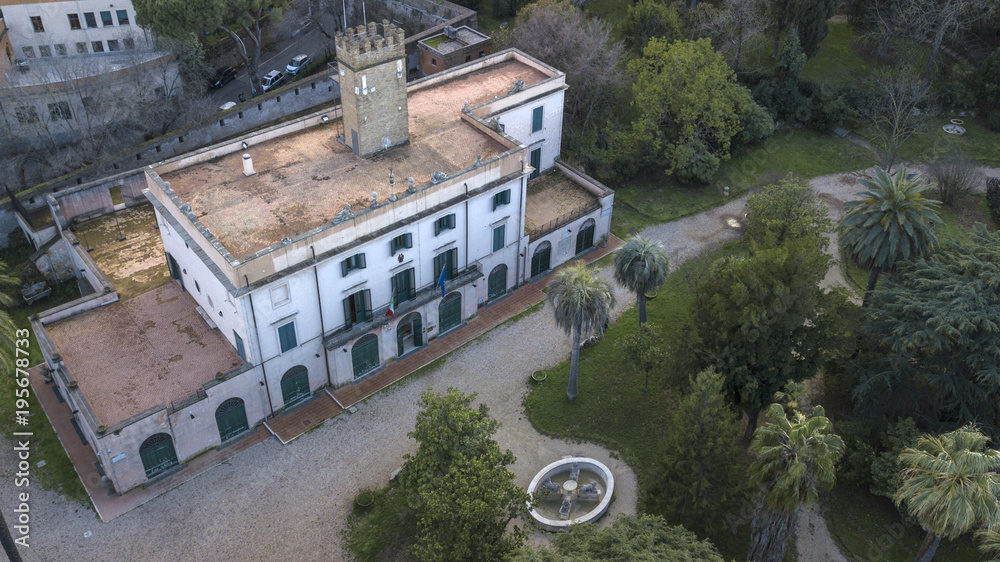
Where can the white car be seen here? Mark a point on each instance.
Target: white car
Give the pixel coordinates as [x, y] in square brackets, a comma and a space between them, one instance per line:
[297, 63]
[228, 105]
[271, 80]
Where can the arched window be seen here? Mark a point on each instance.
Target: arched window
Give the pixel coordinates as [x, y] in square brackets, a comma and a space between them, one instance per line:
[498, 282]
[231, 417]
[365, 355]
[157, 454]
[541, 258]
[585, 237]
[295, 385]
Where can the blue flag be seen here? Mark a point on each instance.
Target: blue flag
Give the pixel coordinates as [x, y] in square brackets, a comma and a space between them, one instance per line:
[441, 282]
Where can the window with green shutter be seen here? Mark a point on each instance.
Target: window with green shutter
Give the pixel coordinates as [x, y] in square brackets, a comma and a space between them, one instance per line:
[286, 337]
[400, 242]
[446, 222]
[403, 286]
[240, 350]
[536, 163]
[536, 119]
[357, 261]
[358, 308]
[499, 237]
[501, 199]
[448, 261]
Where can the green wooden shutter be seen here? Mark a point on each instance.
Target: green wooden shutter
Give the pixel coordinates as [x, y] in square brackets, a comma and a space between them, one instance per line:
[231, 418]
[366, 305]
[408, 240]
[286, 337]
[240, 350]
[536, 119]
[499, 235]
[418, 332]
[450, 312]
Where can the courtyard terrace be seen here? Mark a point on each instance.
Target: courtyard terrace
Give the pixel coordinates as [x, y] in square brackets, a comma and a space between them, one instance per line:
[555, 199]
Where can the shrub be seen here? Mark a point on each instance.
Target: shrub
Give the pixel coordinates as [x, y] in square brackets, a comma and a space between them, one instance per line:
[694, 162]
[827, 109]
[757, 125]
[956, 94]
[993, 198]
[956, 176]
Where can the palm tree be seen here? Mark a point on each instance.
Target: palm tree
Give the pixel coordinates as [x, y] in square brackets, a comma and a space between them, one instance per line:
[581, 304]
[892, 221]
[641, 266]
[794, 460]
[950, 485]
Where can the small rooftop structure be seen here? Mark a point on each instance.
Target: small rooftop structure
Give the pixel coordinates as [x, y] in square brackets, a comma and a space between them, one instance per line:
[452, 47]
[133, 355]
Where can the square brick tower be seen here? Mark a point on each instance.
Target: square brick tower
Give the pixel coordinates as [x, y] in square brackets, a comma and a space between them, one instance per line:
[373, 87]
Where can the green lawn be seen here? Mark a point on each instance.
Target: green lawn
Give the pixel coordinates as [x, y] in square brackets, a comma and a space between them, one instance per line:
[612, 11]
[837, 63]
[57, 473]
[868, 528]
[978, 142]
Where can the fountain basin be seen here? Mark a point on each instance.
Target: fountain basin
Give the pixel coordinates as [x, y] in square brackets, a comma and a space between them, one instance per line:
[585, 511]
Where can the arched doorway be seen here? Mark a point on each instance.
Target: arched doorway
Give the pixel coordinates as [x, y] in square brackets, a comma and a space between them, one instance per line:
[295, 385]
[585, 237]
[409, 333]
[364, 355]
[157, 454]
[541, 258]
[231, 417]
[498, 282]
[450, 312]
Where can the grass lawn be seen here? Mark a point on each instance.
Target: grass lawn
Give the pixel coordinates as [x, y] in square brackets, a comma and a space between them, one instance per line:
[837, 63]
[612, 11]
[57, 473]
[868, 528]
[978, 142]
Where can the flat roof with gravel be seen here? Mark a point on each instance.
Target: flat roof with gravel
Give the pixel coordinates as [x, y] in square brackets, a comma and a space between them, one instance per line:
[133, 355]
[552, 197]
[303, 180]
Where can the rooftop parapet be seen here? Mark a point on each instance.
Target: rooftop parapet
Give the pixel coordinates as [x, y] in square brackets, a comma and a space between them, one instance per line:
[364, 46]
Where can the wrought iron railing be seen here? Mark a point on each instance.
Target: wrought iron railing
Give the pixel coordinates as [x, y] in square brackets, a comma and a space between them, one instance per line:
[538, 231]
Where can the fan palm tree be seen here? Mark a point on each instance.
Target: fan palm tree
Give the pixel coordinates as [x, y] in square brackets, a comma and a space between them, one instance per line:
[581, 304]
[795, 459]
[892, 221]
[950, 484]
[641, 266]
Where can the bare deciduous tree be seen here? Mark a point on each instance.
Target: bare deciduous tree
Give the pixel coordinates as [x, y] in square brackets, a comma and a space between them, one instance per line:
[896, 115]
[956, 176]
[560, 34]
[937, 20]
[736, 25]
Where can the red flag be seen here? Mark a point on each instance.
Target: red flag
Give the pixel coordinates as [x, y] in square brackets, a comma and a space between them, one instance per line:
[391, 313]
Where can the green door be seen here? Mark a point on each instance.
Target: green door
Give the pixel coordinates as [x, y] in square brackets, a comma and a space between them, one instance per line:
[540, 261]
[450, 312]
[498, 282]
[585, 238]
[365, 355]
[157, 454]
[418, 332]
[295, 385]
[536, 162]
[175, 269]
[231, 417]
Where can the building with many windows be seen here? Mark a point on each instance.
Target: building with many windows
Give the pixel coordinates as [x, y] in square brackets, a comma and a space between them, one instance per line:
[306, 256]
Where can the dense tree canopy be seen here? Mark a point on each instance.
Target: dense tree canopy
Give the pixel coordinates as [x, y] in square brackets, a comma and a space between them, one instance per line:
[937, 321]
[689, 108]
[786, 211]
[644, 538]
[458, 483]
[763, 321]
[647, 19]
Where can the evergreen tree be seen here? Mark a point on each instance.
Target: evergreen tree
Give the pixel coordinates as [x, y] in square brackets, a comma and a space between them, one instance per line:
[810, 21]
[647, 19]
[703, 471]
[786, 211]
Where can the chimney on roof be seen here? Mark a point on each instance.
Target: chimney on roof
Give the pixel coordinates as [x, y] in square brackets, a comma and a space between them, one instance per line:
[248, 166]
[450, 32]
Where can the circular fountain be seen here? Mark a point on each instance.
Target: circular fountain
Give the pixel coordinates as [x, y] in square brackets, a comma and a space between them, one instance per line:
[571, 491]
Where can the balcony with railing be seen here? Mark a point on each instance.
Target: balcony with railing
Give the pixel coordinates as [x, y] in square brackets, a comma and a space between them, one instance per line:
[377, 318]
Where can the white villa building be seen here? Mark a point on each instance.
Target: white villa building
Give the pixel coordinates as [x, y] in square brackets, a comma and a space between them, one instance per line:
[293, 244]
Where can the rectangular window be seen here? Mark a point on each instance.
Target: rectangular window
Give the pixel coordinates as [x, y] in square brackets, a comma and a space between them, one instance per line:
[400, 242]
[446, 222]
[122, 17]
[36, 24]
[61, 50]
[501, 199]
[357, 261]
[97, 46]
[113, 45]
[499, 237]
[45, 50]
[106, 19]
[240, 350]
[29, 52]
[448, 262]
[81, 48]
[129, 43]
[536, 119]
[91, 20]
[286, 337]
[358, 308]
[60, 110]
[403, 286]
[74, 21]
[26, 114]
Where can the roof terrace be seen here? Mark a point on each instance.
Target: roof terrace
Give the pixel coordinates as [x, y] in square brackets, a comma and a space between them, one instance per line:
[306, 178]
[553, 199]
[132, 355]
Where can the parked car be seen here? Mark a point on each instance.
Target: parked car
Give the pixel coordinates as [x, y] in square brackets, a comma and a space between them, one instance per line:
[271, 80]
[297, 63]
[223, 76]
[228, 105]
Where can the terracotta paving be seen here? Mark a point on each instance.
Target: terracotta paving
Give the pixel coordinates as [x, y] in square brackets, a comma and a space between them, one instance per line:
[318, 409]
[84, 460]
[305, 418]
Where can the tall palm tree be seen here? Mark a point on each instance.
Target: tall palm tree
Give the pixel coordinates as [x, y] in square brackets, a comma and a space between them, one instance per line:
[892, 221]
[950, 484]
[641, 266]
[581, 304]
[794, 460]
